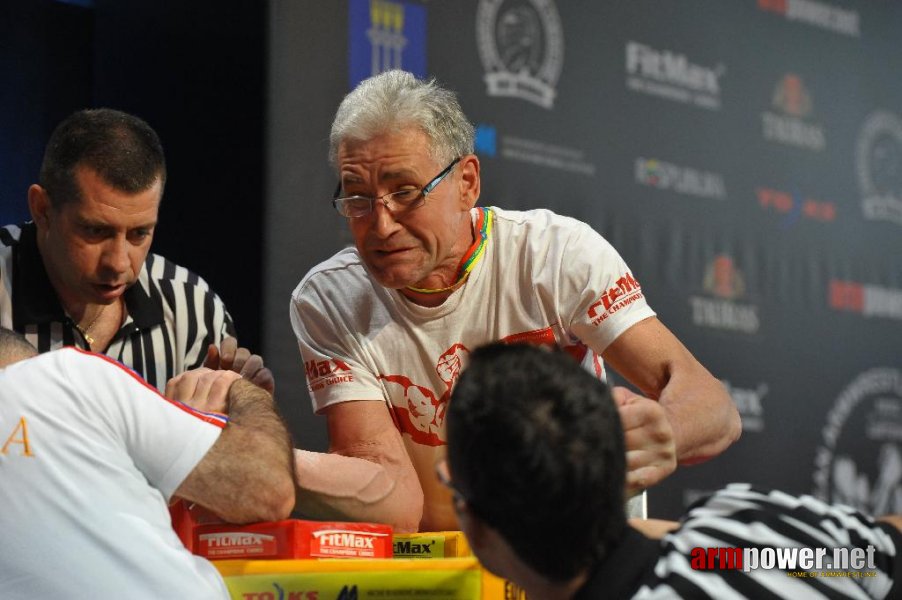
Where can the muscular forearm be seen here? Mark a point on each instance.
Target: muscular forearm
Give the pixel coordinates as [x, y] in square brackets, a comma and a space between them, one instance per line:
[248, 473]
[698, 408]
[703, 417]
[332, 486]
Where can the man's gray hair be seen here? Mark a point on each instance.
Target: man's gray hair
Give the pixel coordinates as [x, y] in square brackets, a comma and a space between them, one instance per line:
[390, 101]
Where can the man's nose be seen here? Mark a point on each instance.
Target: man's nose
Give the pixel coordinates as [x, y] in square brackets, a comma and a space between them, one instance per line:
[384, 223]
[115, 255]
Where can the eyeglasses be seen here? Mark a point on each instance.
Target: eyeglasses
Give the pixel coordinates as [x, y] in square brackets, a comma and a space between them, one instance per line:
[398, 203]
[444, 477]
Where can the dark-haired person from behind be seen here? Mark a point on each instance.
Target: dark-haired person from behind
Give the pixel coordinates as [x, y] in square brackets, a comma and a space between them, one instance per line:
[536, 467]
[81, 272]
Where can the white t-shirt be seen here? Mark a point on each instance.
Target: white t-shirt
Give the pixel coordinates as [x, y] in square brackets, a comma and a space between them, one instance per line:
[543, 278]
[89, 457]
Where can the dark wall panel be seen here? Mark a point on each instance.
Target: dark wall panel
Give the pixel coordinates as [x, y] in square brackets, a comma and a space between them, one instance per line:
[196, 71]
[46, 69]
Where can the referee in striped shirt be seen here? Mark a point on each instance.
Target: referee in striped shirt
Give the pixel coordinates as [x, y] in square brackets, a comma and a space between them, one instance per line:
[80, 272]
[546, 509]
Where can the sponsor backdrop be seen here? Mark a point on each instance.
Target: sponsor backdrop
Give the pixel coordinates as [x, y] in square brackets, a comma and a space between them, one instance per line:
[744, 157]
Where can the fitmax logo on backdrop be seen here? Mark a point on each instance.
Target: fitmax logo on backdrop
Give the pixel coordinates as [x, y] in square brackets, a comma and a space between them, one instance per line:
[385, 35]
[672, 76]
[750, 404]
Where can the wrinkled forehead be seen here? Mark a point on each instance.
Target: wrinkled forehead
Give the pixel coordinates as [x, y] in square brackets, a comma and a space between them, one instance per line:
[407, 137]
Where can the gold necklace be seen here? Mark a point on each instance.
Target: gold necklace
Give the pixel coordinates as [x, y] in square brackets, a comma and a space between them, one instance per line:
[483, 229]
[86, 331]
[453, 286]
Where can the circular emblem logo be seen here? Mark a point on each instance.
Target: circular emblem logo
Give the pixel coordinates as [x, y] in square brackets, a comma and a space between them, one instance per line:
[859, 462]
[521, 46]
[879, 165]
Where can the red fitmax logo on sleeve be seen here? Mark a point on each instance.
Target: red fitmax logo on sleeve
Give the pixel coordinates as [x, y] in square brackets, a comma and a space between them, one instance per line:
[625, 291]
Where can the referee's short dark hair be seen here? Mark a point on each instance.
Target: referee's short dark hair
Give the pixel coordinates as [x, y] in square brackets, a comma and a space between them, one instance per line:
[535, 447]
[121, 148]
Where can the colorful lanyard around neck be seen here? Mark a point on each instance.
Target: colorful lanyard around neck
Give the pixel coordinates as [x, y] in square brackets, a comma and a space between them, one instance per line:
[483, 227]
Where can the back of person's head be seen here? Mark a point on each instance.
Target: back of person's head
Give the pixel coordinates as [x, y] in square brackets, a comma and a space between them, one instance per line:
[394, 100]
[122, 149]
[14, 347]
[536, 450]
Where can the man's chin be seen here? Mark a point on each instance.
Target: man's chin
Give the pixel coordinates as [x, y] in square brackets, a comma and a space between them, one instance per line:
[394, 284]
[393, 279]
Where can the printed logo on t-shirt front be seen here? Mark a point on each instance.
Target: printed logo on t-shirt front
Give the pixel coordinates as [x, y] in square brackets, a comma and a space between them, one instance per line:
[538, 337]
[625, 291]
[18, 438]
[419, 411]
[322, 373]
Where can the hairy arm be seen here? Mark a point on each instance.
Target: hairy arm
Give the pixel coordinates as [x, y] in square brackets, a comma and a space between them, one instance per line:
[695, 405]
[367, 475]
[248, 473]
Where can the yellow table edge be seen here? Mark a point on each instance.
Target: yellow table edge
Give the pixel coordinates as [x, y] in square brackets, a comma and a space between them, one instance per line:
[231, 568]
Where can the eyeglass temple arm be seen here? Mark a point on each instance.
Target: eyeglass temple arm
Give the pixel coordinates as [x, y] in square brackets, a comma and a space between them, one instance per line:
[426, 189]
[439, 177]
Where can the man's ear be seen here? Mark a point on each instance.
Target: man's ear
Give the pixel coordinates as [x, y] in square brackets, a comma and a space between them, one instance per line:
[493, 551]
[39, 206]
[469, 180]
[477, 532]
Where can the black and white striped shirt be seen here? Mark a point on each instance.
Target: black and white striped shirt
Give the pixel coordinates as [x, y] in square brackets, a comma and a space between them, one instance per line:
[173, 315]
[742, 517]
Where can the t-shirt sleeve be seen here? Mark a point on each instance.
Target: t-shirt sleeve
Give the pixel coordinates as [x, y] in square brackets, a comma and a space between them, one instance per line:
[165, 439]
[599, 293]
[334, 366]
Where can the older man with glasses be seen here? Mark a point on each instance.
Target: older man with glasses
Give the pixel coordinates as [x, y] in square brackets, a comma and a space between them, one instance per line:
[385, 327]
